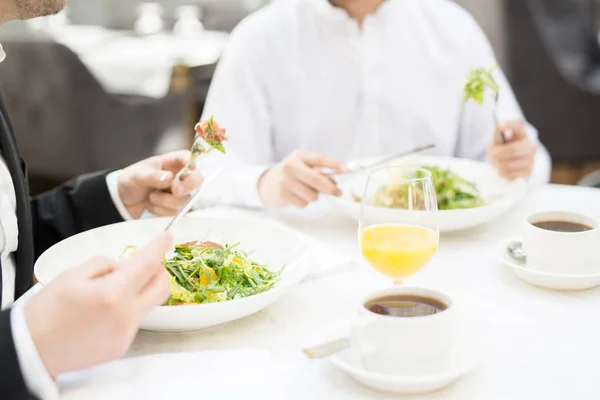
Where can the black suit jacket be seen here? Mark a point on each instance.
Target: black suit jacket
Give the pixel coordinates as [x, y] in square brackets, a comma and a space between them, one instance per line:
[80, 204]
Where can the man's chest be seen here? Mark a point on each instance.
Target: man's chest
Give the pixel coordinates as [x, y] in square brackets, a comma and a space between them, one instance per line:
[357, 106]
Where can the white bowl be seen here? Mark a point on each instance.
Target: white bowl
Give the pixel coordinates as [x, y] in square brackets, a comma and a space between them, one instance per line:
[500, 194]
[265, 242]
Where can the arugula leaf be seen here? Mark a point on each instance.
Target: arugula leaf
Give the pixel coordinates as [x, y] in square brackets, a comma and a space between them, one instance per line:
[478, 80]
[452, 192]
[193, 270]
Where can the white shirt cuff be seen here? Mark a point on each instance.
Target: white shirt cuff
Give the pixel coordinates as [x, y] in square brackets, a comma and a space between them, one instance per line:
[247, 186]
[112, 181]
[237, 186]
[34, 373]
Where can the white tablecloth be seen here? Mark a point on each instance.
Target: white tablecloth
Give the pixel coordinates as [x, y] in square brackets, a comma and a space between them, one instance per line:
[533, 343]
[124, 63]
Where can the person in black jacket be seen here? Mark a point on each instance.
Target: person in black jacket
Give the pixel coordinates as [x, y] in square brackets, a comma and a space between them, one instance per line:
[91, 313]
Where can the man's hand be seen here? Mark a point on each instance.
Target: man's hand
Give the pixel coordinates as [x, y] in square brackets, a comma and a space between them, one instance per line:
[142, 185]
[297, 180]
[515, 158]
[91, 313]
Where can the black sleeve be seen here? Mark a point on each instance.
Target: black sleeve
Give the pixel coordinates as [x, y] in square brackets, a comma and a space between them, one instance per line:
[12, 384]
[78, 205]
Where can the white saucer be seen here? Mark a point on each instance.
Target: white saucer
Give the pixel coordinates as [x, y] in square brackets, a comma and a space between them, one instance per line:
[460, 363]
[548, 280]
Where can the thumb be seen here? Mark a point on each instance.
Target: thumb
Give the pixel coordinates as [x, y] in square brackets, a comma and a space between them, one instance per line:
[94, 268]
[154, 178]
[514, 130]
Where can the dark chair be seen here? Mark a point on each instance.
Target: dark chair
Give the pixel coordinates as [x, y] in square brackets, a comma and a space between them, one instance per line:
[67, 124]
[591, 180]
[550, 80]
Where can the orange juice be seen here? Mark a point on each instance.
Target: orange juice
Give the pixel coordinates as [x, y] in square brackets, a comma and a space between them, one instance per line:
[398, 251]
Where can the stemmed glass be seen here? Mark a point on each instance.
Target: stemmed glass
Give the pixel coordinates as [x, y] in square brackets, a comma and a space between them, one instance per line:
[398, 230]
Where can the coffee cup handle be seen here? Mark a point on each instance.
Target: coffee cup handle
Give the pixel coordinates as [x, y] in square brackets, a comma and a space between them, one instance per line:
[358, 335]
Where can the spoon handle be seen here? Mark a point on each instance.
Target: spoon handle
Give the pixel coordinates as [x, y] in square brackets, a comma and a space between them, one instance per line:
[327, 349]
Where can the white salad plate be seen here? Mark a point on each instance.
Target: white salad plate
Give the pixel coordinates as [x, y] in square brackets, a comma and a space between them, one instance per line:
[266, 242]
[461, 361]
[547, 280]
[500, 194]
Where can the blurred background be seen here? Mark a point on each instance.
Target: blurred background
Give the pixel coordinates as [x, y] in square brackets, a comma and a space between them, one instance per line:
[107, 83]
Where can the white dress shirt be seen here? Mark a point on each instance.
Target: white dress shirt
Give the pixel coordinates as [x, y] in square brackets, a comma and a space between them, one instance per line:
[301, 74]
[34, 373]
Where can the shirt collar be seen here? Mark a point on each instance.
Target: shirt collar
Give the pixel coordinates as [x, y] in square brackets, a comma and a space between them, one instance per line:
[336, 21]
[2, 53]
[326, 9]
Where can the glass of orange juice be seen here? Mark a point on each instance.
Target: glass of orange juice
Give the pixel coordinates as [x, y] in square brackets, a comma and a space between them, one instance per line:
[398, 231]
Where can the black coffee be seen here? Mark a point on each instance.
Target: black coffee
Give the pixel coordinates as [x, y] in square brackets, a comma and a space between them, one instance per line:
[406, 306]
[562, 226]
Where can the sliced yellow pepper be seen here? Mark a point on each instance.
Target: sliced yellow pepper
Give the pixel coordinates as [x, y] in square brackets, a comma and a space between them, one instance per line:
[208, 275]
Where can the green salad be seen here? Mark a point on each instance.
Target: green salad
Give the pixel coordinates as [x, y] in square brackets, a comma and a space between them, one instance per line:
[206, 272]
[452, 192]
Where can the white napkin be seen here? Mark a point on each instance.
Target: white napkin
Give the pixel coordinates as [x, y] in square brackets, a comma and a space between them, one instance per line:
[223, 375]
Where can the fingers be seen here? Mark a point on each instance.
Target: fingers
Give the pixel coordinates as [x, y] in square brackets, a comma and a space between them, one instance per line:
[160, 199]
[95, 268]
[154, 178]
[162, 212]
[304, 193]
[292, 199]
[136, 273]
[518, 168]
[155, 293]
[513, 130]
[511, 175]
[512, 151]
[175, 161]
[514, 159]
[187, 185]
[321, 161]
[298, 180]
[313, 178]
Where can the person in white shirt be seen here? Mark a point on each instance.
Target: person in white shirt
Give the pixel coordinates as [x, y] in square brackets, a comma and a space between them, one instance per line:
[90, 314]
[312, 84]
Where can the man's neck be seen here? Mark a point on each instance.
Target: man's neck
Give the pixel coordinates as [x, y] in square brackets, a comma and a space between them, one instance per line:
[358, 9]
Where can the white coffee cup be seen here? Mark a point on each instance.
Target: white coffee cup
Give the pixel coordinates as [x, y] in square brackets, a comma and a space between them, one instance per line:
[415, 345]
[572, 253]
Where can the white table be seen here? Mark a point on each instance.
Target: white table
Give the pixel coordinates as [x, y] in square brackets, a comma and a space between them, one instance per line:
[537, 344]
[534, 343]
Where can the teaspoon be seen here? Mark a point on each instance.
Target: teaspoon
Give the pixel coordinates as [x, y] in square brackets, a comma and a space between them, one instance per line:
[515, 250]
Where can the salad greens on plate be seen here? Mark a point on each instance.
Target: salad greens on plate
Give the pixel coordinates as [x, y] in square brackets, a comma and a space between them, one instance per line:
[206, 272]
[452, 191]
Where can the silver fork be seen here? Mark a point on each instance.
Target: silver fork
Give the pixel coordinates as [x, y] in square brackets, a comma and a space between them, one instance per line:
[199, 146]
[382, 162]
[190, 203]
